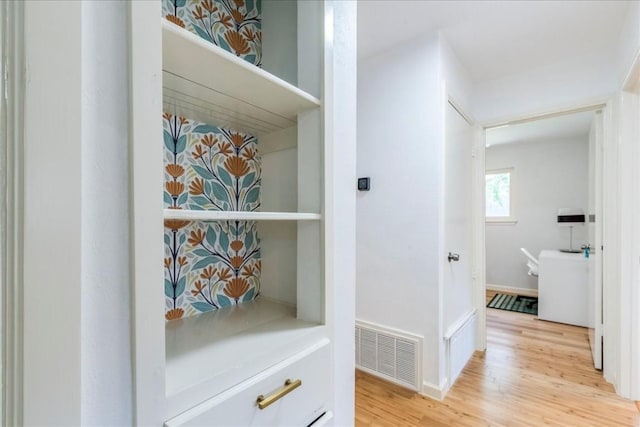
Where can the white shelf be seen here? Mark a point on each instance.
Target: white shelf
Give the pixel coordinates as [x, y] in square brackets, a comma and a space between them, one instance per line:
[213, 351]
[194, 215]
[247, 98]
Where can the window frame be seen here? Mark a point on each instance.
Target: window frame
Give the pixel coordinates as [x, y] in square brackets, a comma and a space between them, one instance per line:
[511, 219]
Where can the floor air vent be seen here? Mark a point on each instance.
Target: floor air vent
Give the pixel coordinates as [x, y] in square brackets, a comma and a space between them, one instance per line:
[390, 354]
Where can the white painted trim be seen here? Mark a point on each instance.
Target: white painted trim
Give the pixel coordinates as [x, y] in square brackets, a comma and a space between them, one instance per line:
[387, 330]
[276, 95]
[193, 215]
[627, 382]
[11, 138]
[339, 210]
[632, 79]
[437, 392]
[456, 106]
[478, 230]
[513, 290]
[593, 105]
[609, 242]
[631, 294]
[595, 333]
[441, 235]
[453, 330]
[376, 374]
[478, 196]
[459, 324]
[52, 213]
[146, 223]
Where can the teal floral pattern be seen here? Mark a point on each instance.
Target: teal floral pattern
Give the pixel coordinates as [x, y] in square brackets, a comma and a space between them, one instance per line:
[209, 265]
[234, 25]
[209, 168]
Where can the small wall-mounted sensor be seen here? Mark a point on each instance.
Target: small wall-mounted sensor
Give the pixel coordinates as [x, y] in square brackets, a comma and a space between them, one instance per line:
[364, 184]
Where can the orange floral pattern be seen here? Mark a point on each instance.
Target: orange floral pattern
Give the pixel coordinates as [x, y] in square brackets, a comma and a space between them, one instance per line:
[234, 25]
[210, 168]
[236, 287]
[237, 166]
[209, 265]
[223, 262]
[175, 20]
[173, 314]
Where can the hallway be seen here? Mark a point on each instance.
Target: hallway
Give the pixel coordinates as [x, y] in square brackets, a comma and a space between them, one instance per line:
[534, 373]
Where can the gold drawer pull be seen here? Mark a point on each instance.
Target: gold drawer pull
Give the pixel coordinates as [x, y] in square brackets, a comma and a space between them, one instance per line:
[289, 386]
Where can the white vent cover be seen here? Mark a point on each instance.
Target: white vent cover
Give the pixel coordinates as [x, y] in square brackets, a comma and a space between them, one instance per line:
[390, 354]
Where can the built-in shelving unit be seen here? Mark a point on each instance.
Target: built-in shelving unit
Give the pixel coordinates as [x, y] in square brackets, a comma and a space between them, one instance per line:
[248, 98]
[273, 315]
[196, 215]
[208, 350]
[211, 352]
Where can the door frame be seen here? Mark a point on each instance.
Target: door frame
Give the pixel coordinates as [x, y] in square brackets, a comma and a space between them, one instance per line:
[595, 334]
[621, 314]
[478, 200]
[621, 294]
[11, 206]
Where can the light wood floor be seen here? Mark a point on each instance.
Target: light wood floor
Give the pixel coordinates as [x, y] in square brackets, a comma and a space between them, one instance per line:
[534, 373]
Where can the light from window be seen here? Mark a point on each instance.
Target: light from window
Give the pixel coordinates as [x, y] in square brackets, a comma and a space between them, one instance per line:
[498, 195]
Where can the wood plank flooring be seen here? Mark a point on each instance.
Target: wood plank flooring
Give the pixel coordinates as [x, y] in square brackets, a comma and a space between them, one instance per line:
[534, 373]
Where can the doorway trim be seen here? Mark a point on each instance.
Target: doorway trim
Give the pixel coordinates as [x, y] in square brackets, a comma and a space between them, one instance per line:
[11, 225]
[621, 308]
[479, 268]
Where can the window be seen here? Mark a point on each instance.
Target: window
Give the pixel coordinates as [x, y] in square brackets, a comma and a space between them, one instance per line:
[499, 196]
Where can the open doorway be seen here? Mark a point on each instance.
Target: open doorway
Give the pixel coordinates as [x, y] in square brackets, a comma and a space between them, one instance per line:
[543, 227]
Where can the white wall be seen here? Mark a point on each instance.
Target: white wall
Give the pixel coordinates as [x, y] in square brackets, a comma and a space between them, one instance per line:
[629, 45]
[458, 81]
[397, 233]
[341, 208]
[396, 285]
[77, 334]
[566, 84]
[547, 175]
[106, 318]
[574, 81]
[399, 222]
[52, 215]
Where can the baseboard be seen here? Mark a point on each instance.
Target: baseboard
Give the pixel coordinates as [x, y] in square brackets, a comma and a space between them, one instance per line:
[459, 346]
[513, 290]
[434, 391]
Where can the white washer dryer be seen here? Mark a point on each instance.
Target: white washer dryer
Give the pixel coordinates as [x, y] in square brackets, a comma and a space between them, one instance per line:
[563, 284]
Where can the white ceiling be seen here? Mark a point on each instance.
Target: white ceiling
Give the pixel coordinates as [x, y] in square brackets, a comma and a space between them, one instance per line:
[556, 128]
[495, 38]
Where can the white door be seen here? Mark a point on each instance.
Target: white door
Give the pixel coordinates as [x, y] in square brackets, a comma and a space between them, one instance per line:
[458, 190]
[595, 240]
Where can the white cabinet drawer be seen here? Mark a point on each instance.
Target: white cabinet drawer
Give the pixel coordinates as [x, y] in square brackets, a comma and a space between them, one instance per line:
[238, 405]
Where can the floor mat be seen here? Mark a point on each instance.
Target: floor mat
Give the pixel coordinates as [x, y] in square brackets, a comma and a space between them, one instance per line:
[519, 303]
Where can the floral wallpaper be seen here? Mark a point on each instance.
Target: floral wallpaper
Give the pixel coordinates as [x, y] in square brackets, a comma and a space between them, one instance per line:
[209, 265]
[234, 25]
